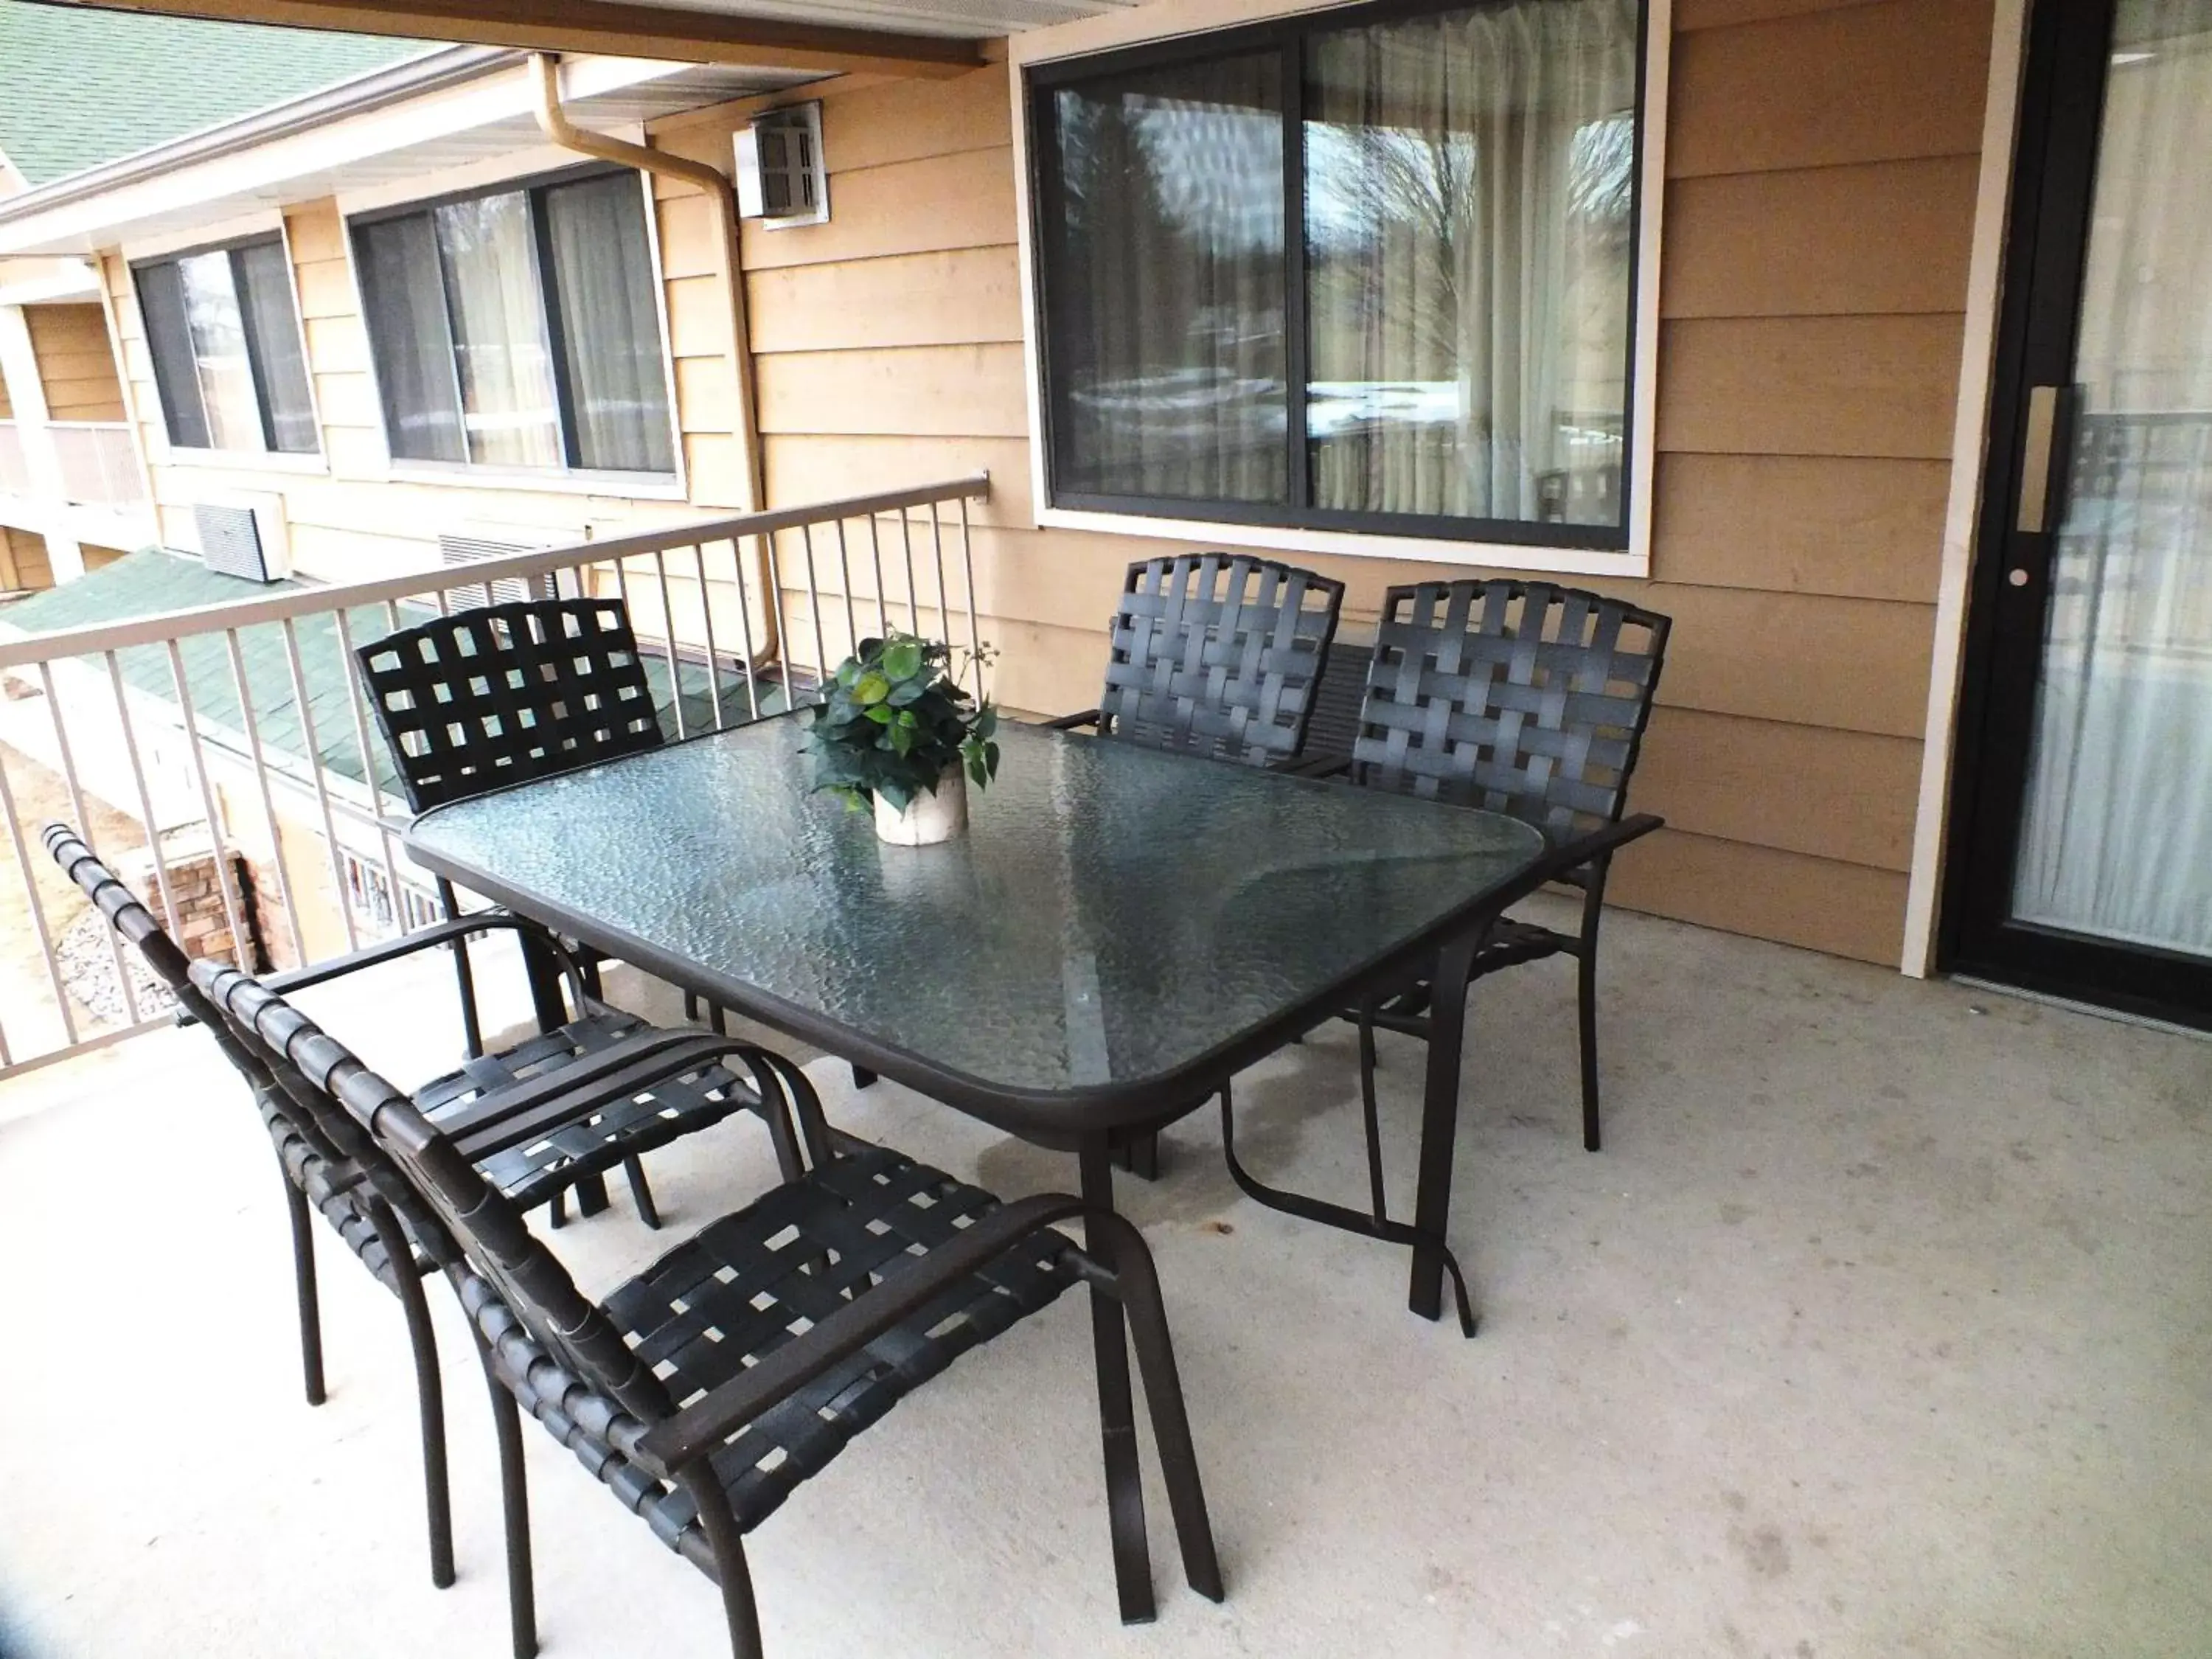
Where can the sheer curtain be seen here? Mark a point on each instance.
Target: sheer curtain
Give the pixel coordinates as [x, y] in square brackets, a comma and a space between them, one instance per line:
[272, 323]
[1469, 184]
[404, 294]
[218, 335]
[490, 260]
[2116, 839]
[603, 281]
[1167, 273]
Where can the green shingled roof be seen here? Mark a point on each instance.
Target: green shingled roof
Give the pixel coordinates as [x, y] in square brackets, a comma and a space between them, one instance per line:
[155, 582]
[79, 87]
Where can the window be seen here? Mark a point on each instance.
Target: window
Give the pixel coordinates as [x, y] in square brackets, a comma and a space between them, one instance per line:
[225, 339]
[1373, 275]
[518, 328]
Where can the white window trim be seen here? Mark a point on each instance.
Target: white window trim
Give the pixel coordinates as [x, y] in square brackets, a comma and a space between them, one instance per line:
[1165, 19]
[519, 167]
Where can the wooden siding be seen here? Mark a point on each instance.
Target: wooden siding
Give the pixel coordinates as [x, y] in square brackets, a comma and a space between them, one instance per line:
[23, 560]
[76, 366]
[1819, 206]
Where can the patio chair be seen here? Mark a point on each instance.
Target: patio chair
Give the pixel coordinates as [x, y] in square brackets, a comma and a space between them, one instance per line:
[703, 1391]
[1513, 696]
[555, 1111]
[1215, 655]
[502, 694]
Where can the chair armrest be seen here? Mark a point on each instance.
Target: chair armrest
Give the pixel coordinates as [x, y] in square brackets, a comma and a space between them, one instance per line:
[1589, 849]
[1073, 722]
[443, 932]
[701, 1428]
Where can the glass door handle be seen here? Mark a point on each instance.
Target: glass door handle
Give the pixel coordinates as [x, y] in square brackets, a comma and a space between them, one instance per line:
[2042, 457]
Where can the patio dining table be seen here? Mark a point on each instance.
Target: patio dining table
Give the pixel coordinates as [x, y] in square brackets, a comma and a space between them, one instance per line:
[1119, 932]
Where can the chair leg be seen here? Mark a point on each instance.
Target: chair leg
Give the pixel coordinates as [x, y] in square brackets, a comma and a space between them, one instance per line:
[430, 1403]
[863, 1077]
[1139, 1154]
[1586, 1004]
[1138, 1285]
[557, 1211]
[1377, 1198]
[642, 1194]
[514, 1505]
[731, 1572]
[304, 1288]
[464, 976]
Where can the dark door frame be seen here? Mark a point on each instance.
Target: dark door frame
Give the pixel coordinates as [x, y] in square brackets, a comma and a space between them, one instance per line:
[2061, 108]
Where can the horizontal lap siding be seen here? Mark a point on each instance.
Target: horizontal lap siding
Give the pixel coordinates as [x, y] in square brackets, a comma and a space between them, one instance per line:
[1820, 209]
[76, 366]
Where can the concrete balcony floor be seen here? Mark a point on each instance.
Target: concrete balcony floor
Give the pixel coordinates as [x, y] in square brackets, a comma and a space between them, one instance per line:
[1883, 1326]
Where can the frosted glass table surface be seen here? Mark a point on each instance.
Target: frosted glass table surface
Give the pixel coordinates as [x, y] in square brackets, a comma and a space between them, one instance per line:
[1113, 919]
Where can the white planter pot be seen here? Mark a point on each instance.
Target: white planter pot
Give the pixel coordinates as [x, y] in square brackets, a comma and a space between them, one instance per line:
[928, 818]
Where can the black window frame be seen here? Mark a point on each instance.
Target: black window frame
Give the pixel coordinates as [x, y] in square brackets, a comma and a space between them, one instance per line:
[532, 188]
[1288, 35]
[231, 247]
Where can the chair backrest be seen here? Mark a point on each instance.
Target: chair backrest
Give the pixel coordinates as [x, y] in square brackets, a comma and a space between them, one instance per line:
[527, 1279]
[505, 693]
[1216, 654]
[1518, 698]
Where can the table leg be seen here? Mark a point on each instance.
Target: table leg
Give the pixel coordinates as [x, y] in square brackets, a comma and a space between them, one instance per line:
[547, 1000]
[1439, 1124]
[1125, 1491]
[1139, 1154]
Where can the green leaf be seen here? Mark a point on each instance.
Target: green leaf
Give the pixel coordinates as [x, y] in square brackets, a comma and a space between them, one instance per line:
[902, 658]
[870, 689]
[882, 713]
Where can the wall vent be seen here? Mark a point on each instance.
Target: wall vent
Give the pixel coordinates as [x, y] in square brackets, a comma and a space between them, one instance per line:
[781, 177]
[230, 543]
[509, 590]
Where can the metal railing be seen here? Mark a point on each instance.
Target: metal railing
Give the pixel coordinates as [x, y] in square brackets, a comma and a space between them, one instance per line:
[98, 462]
[232, 744]
[15, 468]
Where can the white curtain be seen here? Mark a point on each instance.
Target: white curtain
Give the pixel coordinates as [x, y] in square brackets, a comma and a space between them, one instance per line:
[225, 374]
[507, 405]
[2117, 840]
[603, 279]
[1469, 186]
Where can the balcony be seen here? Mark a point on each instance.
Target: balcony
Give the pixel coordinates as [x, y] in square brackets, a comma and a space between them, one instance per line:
[15, 470]
[98, 462]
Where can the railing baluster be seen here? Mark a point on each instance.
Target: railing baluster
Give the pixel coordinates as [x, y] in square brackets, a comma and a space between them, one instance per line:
[359, 705]
[814, 606]
[774, 597]
[876, 555]
[322, 787]
[913, 593]
[233, 902]
[145, 798]
[944, 588]
[83, 827]
[845, 580]
[706, 625]
[267, 800]
[968, 573]
[745, 625]
[37, 908]
[668, 631]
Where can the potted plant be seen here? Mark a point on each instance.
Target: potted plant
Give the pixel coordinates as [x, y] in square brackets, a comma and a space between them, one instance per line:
[895, 729]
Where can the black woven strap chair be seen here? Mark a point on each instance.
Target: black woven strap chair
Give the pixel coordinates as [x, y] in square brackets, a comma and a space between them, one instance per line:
[503, 694]
[702, 1391]
[1519, 697]
[318, 1178]
[1215, 655]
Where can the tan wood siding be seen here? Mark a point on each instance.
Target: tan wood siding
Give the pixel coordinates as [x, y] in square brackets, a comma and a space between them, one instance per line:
[23, 560]
[77, 365]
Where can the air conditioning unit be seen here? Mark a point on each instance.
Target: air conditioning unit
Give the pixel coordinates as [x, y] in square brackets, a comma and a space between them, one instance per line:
[243, 538]
[472, 549]
[782, 178]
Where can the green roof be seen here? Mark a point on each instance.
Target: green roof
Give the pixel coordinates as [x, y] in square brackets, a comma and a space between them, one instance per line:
[80, 87]
[153, 582]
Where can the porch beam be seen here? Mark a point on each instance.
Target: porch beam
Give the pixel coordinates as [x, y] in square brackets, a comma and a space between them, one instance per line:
[619, 28]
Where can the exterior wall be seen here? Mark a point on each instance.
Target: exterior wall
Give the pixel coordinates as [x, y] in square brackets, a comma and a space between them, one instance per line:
[23, 560]
[1820, 207]
[348, 518]
[76, 365]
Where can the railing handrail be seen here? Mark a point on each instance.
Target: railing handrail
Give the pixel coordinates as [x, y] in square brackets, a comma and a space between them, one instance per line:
[99, 637]
[87, 426]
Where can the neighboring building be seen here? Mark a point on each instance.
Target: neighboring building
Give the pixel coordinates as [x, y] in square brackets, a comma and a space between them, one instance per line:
[1697, 303]
[77, 90]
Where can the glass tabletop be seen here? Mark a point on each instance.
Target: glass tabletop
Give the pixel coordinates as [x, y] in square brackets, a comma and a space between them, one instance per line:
[1114, 918]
